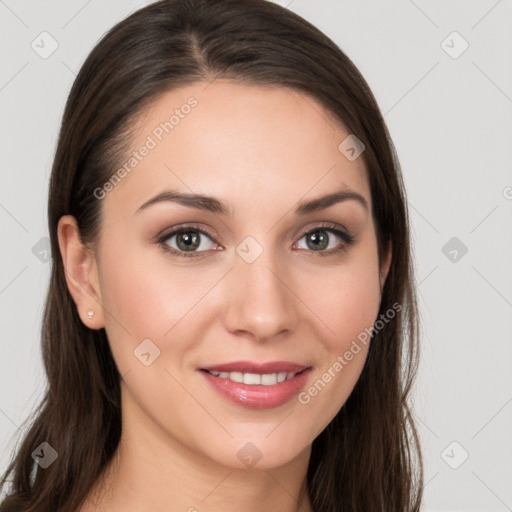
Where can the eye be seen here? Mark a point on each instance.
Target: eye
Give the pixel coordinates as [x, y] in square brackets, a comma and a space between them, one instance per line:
[322, 240]
[188, 240]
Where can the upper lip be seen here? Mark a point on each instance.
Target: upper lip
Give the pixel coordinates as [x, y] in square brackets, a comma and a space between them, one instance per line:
[261, 368]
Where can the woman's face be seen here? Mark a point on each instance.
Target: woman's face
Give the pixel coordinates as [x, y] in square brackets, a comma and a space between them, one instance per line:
[255, 288]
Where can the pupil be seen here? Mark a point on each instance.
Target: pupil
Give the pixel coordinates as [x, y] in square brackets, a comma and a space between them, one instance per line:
[190, 239]
[317, 236]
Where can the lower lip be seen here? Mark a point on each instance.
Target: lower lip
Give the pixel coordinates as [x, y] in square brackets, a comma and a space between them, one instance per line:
[257, 396]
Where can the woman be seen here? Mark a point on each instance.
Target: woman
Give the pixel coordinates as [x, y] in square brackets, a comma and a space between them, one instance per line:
[230, 322]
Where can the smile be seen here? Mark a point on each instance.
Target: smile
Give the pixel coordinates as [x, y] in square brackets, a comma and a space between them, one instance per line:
[257, 386]
[267, 379]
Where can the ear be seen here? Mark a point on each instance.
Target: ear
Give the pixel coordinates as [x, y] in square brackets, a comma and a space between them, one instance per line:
[385, 265]
[81, 272]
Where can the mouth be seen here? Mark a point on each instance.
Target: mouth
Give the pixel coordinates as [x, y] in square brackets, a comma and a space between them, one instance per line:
[253, 379]
[257, 386]
[251, 373]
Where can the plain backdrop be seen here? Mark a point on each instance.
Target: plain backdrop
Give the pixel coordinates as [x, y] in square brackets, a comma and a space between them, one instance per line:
[441, 73]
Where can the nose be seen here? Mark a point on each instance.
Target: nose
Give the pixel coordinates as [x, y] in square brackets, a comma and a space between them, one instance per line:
[261, 301]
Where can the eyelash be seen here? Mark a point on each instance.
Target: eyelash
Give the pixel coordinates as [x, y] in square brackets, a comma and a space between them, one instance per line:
[347, 238]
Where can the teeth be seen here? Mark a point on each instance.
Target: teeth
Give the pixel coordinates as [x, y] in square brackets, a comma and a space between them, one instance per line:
[267, 379]
[236, 376]
[252, 378]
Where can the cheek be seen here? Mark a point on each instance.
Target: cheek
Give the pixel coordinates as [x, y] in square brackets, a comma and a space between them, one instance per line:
[133, 296]
[346, 303]
[345, 299]
[136, 299]
[144, 297]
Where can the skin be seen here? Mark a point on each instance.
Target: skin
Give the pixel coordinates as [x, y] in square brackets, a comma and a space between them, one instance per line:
[262, 151]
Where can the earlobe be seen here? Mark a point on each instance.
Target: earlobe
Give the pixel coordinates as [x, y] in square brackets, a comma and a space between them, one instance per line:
[81, 273]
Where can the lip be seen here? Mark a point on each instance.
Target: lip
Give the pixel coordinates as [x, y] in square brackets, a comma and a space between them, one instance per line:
[258, 396]
[252, 367]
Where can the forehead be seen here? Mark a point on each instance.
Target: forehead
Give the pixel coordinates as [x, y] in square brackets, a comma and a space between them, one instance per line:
[253, 145]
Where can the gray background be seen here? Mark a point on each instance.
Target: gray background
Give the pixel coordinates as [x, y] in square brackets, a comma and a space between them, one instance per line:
[450, 119]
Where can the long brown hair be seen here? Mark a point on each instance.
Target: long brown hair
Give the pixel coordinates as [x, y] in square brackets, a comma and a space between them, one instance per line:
[368, 458]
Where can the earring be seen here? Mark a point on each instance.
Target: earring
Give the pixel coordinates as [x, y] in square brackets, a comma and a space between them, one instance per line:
[90, 313]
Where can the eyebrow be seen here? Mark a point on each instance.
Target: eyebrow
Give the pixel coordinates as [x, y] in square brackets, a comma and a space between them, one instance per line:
[213, 205]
